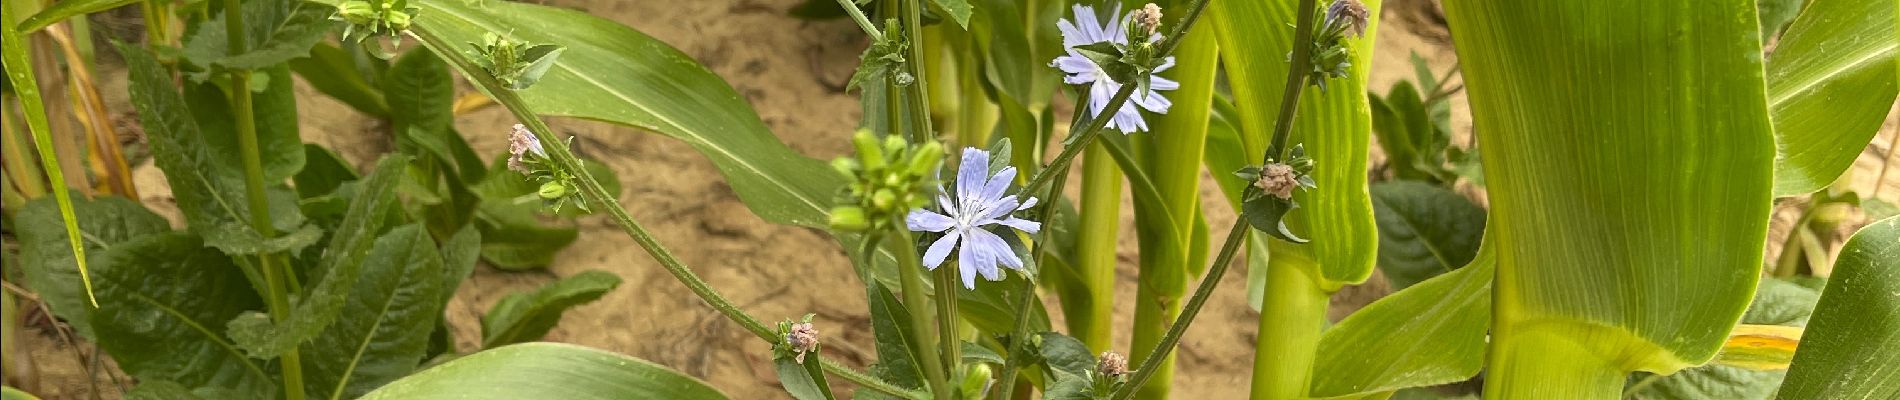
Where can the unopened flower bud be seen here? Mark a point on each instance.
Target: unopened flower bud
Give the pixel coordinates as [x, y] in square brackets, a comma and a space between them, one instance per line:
[847, 166]
[1148, 18]
[1350, 15]
[1112, 365]
[803, 338]
[925, 159]
[1278, 180]
[870, 151]
[552, 190]
[849, 218]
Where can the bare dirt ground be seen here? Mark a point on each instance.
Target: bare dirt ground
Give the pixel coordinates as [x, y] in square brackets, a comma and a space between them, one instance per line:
[790, 70]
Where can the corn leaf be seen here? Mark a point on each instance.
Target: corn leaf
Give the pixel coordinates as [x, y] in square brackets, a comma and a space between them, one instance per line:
[1428, 334]
[615, 74]
[1627, 153]
[19, 71]
[1830, 85]
[546, 371]
[60, 11]
[1335, 126]
[1852, 347]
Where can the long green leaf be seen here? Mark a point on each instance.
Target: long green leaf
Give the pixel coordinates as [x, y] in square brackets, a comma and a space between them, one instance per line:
[62, 10]
[1335, 126]
[192, 167]
[615, 74]
[1628, 153]
[385, 325]
[527, 316]
[1852, 347]
[163, 299]
[20, 74]
[1830, 85]
[276, 31]
[341, 266]
[1431, 333]
[546, 371]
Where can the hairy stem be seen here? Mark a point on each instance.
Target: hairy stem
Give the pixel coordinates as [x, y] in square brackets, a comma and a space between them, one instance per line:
[1302, 64]
[565, 159]
[1193, 308]
[270, 265]
[863, 23]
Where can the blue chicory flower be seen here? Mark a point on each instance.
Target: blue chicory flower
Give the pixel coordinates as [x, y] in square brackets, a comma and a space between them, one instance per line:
[979, 206]
[1079, 69]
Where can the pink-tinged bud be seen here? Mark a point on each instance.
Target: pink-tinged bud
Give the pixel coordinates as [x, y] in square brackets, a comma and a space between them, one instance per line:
[1278, 180]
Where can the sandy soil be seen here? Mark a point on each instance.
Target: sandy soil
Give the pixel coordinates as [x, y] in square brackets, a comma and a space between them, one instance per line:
[790, 70]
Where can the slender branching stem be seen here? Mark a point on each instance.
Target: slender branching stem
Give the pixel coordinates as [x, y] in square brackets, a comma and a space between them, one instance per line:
[864, 23]
[270, 264]
[566, 160]
[1235, 237]
[917, 98]
[1302, 64]
[1283, 127]
[1019, 339]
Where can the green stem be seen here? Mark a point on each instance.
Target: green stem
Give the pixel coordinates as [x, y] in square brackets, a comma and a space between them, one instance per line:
[1027, 297]
[1294, 309]
[919, 101]
[595, 192]
[1092, 321]
[1302, 64]
[1170, 251]
[1214, 273]
[1291, 315]
[155, 19]
[910, 272]
[949, 341]
[277, 299]
[857, 15]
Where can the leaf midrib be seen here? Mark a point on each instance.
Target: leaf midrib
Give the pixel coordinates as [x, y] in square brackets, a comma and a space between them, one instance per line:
[208, 334]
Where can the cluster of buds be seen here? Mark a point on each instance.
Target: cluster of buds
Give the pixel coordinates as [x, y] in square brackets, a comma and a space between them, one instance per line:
[1269, 196]
[517, 65]
[1332, 58]
[889, 177]
[801, 338]
[387, 18]
[526, 156]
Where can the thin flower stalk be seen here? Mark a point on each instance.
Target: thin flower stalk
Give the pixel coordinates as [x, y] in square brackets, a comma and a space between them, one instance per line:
[564, 158]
